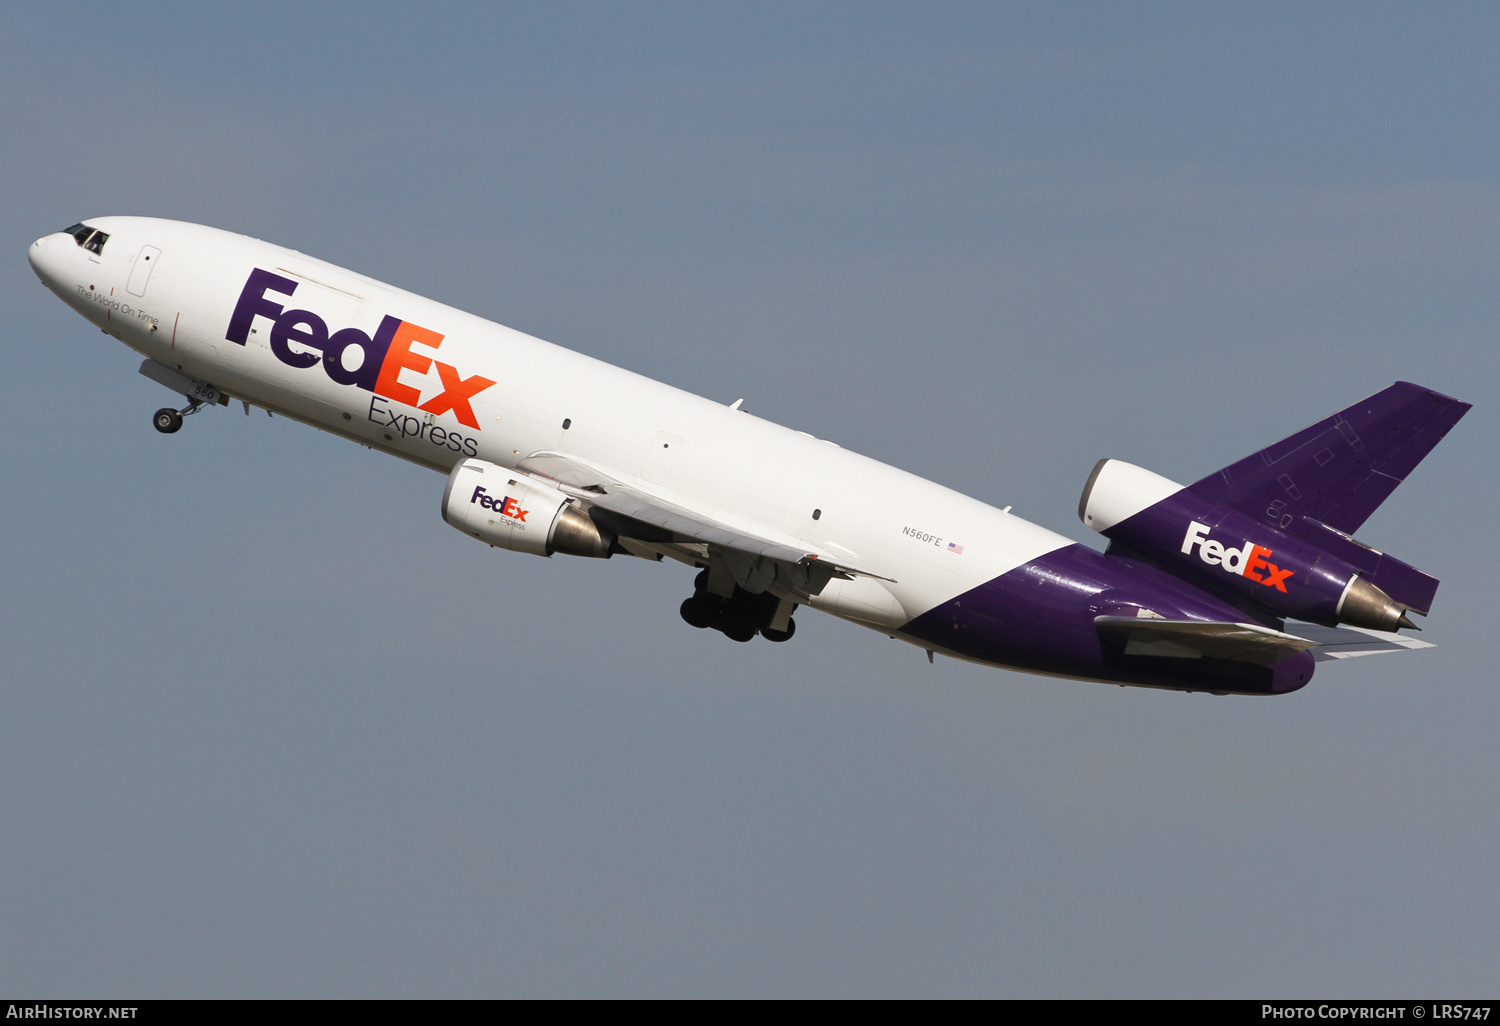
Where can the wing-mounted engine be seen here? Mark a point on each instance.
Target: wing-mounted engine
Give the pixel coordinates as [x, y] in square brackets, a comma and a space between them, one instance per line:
[1271, 532]
[513, 511]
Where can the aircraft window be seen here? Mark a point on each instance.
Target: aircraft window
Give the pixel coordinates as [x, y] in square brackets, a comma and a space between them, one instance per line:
[96, 242]
[80, 233]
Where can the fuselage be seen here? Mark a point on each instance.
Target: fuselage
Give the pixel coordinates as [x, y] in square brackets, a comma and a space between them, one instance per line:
[949, 573]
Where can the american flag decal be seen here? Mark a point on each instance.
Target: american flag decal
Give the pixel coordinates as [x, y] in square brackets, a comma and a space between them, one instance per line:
[955, 548]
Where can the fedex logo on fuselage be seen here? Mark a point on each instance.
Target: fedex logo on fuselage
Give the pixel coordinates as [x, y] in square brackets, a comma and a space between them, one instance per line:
[377, 362]
[506, 507]
[1248, 561]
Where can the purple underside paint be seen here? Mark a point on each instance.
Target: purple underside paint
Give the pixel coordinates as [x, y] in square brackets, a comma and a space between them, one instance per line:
[1040, 617]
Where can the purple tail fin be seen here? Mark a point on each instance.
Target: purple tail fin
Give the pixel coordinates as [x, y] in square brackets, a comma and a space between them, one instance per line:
[1338, 471]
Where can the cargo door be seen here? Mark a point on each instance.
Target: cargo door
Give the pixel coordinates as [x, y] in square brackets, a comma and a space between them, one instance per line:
[140, 271]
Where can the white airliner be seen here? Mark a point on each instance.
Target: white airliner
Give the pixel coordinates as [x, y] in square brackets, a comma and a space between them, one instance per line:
[549, 451]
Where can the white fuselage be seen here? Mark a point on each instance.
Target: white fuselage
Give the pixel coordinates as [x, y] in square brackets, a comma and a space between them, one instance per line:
[729, 466]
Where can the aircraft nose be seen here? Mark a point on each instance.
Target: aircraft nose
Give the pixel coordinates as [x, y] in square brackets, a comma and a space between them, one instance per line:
[43, 257]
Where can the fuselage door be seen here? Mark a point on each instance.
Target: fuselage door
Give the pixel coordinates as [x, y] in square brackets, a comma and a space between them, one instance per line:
[140, 272]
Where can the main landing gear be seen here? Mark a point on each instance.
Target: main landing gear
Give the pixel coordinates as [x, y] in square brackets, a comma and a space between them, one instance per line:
[740, 617]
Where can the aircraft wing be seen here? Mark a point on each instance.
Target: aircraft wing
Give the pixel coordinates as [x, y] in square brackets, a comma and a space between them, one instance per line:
[671, 522]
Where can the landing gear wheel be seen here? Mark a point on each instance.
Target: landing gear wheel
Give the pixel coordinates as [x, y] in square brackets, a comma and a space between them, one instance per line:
[698, 614]
[780, 636]
[736, 631]
[167, 421]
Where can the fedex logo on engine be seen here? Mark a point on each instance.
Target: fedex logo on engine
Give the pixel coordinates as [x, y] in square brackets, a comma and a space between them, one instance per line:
[1248, 561]
[506, 507]
[300, 338]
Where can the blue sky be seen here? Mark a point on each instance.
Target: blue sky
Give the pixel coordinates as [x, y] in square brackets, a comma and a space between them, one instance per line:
[269, 728]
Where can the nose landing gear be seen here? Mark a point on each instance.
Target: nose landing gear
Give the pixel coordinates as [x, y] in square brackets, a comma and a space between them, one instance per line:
[741, 616]
[197, 392]
[169, 421]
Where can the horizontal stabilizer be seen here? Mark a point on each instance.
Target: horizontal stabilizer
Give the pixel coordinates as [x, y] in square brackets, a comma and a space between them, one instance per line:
[1339, 470]
[1249, 643]
[1198, 639]
[1348, 642]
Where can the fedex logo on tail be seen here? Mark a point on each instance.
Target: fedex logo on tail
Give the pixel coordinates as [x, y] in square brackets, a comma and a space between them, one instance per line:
[1247, 561]
[506, 507]
[301, 339]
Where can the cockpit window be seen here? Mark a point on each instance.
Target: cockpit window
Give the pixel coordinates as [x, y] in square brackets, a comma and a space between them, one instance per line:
[87, 237]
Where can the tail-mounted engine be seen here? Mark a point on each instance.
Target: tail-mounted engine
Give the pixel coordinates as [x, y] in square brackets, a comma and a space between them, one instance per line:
[1274, 531]
[1318, 574]
[513, 511]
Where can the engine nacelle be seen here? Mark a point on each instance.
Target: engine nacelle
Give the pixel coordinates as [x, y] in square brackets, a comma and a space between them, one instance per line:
[1229, 552]
[513, 511]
